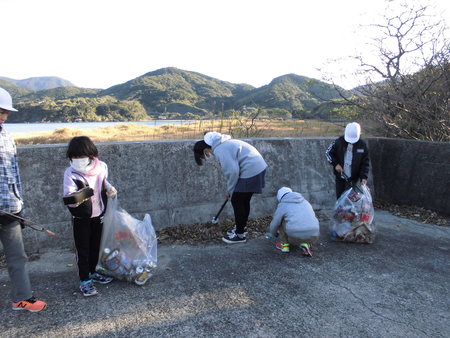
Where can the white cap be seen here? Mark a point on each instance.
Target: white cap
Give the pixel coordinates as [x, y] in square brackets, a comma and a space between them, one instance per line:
[6, 100]
[283, 191]
[352, 132]
[210, 136]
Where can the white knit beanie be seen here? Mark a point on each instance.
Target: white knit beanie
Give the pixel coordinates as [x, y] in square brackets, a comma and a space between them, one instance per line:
[283, 191]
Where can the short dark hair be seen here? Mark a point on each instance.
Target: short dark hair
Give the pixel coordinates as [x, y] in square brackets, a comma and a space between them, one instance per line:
[81, 146]
[198, 149]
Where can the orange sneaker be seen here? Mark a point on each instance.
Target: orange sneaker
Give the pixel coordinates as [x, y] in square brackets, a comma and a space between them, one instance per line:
[31, 304]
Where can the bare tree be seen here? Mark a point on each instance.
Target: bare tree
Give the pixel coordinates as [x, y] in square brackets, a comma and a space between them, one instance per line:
[407, 86]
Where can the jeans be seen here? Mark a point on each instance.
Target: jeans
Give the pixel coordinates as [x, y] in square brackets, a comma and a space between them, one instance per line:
[16, 259]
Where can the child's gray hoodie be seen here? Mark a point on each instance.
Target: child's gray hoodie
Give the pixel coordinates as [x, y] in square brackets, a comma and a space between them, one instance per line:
[238, 159]
[298, 215]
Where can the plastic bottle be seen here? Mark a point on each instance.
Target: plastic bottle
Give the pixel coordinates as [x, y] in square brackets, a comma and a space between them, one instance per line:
[105, 255]
[113, 260]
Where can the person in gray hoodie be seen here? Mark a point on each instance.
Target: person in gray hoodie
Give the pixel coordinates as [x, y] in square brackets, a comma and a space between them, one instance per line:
[294, 221]
[244, 169]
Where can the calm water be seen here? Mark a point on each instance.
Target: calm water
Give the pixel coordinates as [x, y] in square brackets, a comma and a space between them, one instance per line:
[38, 127]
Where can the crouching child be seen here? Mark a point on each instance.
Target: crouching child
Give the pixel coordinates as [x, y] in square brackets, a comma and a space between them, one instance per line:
[294, 222]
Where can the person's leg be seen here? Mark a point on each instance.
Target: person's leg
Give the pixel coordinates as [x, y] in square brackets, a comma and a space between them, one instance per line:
[81, 235]
[283, 243]
[340, 187]
[282, 233]
[95, 239]
[16, 259]
[241, 207]
[94, 251]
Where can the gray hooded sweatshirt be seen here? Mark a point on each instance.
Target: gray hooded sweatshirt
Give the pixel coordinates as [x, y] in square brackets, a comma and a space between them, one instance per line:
[238, 159]
[298, 215]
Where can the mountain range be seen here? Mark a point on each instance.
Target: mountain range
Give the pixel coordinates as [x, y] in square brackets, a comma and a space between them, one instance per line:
[39, 83]
[175, 91]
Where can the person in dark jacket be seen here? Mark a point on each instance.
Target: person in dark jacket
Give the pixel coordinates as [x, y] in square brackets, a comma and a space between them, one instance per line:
[349, 155]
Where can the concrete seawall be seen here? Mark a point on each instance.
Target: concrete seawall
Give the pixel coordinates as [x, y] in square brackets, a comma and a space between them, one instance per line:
[412, 172]
[161, 178]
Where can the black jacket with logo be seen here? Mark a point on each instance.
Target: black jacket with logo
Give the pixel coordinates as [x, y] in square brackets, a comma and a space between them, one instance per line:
[360, 162]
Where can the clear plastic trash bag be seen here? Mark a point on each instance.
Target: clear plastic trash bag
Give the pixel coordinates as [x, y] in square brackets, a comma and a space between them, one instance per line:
[353, 216]
[128, 246]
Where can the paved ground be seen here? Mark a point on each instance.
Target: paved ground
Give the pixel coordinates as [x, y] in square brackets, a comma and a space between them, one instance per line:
[397, 287]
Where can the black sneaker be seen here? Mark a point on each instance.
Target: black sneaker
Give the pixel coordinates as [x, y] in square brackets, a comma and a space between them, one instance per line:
[234, 238]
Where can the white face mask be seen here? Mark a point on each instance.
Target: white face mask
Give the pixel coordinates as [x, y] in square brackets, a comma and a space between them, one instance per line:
[81, 164]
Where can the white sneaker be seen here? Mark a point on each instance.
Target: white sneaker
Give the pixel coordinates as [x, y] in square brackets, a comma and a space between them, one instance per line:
[233, 231]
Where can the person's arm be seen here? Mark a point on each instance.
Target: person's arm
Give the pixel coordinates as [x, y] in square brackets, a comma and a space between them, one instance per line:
[330, 154]
[18, 185]
[110, 190]
[16, 172]
[276, 221]
[365, 165]
[230, 169]
[69, 185]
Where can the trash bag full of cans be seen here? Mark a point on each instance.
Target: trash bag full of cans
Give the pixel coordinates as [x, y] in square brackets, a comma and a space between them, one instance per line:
[128, 246]
[353, 216]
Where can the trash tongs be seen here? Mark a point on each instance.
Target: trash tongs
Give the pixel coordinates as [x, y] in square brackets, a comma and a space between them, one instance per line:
[28, 223]
[355, 186]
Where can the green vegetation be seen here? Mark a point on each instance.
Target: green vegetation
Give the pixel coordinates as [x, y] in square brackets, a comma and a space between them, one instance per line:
[79, 109]
[174, 94]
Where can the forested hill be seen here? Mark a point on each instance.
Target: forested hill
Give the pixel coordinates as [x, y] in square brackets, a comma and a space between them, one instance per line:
[175, 90]
[40, 83]
[173, 93]
[294, 93]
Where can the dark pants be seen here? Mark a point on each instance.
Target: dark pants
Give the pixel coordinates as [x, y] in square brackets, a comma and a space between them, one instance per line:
[342, 185]
[87, 233]
[241, 207]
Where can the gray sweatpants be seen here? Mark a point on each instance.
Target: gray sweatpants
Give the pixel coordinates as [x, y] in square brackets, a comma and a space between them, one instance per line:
[284, 238]
[16, 258]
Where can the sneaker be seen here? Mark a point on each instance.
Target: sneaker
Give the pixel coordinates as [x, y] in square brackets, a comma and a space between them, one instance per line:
[233, 231]
[284, 247]
[32, 305]
[307, 249]
[87, 288]
[234, 238]
[99, 278]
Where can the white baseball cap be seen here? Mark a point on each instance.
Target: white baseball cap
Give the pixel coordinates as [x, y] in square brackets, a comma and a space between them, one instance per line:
[6, 100]
[283, 191]
[352, 132]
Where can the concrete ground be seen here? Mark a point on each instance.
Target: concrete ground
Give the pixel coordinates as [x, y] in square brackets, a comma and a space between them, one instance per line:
[397, 287]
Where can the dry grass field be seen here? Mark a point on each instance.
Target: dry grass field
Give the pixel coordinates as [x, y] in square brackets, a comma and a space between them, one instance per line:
[194, 130]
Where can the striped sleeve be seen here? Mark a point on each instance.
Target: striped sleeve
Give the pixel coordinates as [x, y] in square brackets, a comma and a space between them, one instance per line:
[329, 151]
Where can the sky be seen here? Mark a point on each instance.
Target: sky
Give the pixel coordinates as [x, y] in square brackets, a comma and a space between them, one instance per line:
[101, 43]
